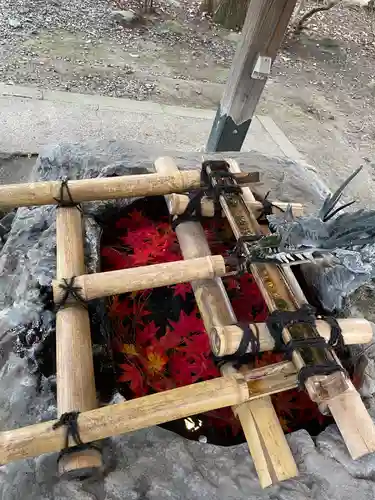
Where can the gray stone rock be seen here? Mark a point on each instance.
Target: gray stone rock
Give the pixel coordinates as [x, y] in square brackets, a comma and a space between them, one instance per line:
[14, 23]
[125, 17]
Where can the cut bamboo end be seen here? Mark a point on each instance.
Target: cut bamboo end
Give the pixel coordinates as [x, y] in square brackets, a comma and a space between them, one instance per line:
[74, 360]
[354, 422]
[177, 204]
[97, 285]
[268, 446]
[225, 340]
[81, 465]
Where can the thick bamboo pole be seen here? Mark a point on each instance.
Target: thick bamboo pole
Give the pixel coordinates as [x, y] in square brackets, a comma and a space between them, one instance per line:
[216, 310]
[226, 339]
[333, 391]
[97, 285]
[210, 294]
[74, 360]
[177, 204]
[125, 417]
[104, 188]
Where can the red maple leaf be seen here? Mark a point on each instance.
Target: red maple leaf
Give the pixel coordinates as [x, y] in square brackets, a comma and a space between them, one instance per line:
[181, 289]
[140, 235]
[188, 324]
[147, 334]
[132, 375]
[232, 283]
[161, 384]
[197, 344]
[171, 340]
[115, 259]
[143, 255]
[183, 370]
[135, 218]
[120, 309]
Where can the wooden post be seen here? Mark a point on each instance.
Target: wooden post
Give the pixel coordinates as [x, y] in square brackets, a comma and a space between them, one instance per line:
[263, 31]
[216, 310]
[334, 391]
[74, 360]
[93, 286]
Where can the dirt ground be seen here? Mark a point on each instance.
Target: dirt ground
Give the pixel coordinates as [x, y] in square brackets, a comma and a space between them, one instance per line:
[321, 92]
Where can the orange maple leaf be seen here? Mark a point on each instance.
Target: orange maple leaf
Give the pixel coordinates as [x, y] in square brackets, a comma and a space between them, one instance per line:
[130, 350]
[155, 359]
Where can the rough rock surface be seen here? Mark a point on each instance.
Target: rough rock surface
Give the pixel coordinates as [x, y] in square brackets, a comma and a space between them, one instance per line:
[153, 463]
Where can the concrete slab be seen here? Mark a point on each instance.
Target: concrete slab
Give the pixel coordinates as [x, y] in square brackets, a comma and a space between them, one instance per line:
[31, 118]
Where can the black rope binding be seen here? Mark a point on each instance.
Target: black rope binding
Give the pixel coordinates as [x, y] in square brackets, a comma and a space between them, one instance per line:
[239, 252]
[62, 200]
[218, 181]
[69, 420]
[193, 211]
[249, 338]
[267, 207]
[214, 183]
[278, 320]
[70, 290]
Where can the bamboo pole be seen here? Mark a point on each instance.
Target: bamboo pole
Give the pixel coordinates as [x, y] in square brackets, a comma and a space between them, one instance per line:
[74, 359]
[93, 286]
[226, 339]
[333, 391]
[216, 310]
[177, 204]
[271, 454]
[210, 294]
[155, 409]
[129, 416]
[103, 188]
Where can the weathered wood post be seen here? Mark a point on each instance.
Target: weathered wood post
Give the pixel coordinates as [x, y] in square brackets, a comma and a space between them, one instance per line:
[263, 31]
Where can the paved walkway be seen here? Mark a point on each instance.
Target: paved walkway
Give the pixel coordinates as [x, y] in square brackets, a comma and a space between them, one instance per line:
[31, 118]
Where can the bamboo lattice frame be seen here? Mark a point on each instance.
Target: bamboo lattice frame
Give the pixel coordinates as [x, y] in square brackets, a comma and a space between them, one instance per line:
[248, 392]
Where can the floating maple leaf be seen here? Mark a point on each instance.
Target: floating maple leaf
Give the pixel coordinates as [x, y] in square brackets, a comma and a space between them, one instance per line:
[188, 324]
[120, 309]
[171, 340]
[132, 375]
[115, 259]
[130, 350]
[155, 359]
[181, 289]
[183, 370]
[147, 334]
[197, 344]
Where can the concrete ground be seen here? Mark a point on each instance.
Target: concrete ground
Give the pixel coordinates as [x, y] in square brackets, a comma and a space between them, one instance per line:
[31, 118]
